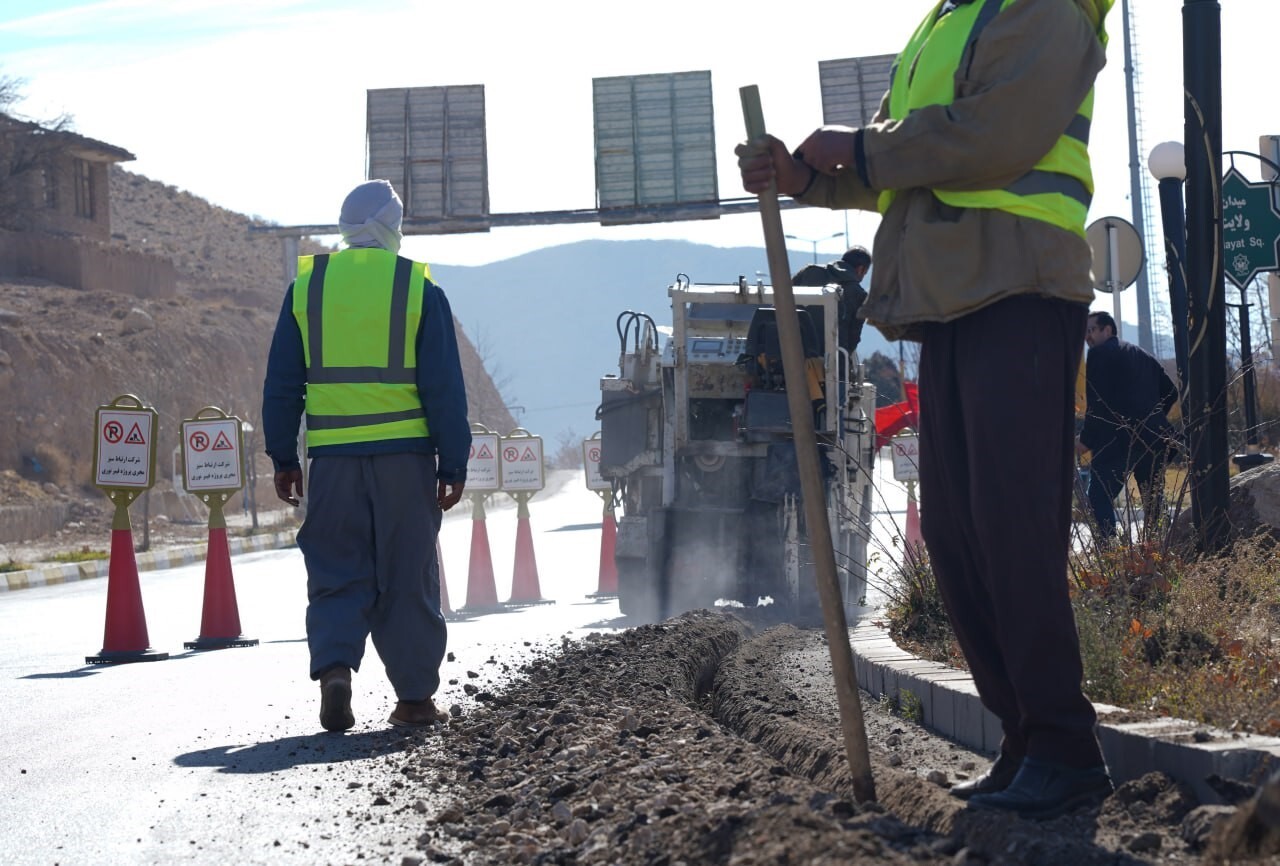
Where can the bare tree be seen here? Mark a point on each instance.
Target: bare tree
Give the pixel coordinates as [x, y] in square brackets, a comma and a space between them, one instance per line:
[28, 152]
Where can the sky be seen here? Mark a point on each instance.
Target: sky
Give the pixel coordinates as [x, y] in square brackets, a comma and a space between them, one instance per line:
[258, 106]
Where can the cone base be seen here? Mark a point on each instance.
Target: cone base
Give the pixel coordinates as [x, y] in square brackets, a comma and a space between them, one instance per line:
[477, 609]
[124, 657]
[213, 643]
[528, 603]
[603, 596]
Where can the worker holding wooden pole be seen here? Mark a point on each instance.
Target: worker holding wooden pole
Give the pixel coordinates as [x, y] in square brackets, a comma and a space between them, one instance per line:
[979, 166]
[811, 486]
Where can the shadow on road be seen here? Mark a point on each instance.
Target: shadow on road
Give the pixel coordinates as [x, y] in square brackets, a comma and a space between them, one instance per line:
[284, 754]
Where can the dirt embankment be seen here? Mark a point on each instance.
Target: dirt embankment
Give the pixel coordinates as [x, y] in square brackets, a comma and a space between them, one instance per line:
[711, 738]
[64, 351]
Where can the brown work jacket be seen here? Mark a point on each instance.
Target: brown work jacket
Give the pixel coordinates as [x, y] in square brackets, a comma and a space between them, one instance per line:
[1027, 75]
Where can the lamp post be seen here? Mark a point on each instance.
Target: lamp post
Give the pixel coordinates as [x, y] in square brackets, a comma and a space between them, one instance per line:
[1169, 167]
[1252, 456]
[815, 243]
[1206, 278]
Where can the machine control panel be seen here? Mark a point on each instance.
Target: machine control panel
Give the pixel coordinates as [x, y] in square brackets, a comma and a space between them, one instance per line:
[711, 350]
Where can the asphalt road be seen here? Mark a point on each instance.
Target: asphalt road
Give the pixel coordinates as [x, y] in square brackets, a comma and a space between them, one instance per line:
[217, 756]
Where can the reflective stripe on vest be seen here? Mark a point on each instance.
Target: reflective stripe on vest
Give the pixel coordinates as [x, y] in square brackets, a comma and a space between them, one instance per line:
[1059, 188]
[358, 311]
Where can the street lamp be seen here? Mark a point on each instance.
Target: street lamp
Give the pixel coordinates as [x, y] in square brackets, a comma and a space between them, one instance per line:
[1169, 167]
[1206, 277]
[815, 243]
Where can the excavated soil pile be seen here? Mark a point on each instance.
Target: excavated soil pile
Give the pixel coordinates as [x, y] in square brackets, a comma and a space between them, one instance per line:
[710, 739]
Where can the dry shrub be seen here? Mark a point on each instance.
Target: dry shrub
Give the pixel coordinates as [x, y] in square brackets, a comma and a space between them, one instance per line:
[1183, 636]
[1161, 629]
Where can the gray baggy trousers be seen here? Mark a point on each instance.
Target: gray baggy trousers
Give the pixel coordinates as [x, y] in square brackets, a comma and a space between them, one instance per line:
[369, 543]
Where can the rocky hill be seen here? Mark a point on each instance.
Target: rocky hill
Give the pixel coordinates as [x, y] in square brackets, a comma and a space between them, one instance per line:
[64, 351]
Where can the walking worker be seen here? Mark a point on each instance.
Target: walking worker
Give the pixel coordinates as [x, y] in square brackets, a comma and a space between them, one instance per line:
[365, 343]
[978, 163]
[1126, 425]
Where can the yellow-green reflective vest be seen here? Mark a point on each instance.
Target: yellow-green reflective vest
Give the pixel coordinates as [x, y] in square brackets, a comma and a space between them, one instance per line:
[1059, 188]
[358, 311]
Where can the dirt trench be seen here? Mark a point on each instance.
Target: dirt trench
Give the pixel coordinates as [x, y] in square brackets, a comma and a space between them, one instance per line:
[713, 739]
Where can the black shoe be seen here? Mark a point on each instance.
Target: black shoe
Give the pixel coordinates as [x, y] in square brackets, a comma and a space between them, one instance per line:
[997, 778]
[1046, 790]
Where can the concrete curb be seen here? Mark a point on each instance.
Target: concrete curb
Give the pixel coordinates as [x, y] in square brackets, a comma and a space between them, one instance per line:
[949, 705]
[172, 557]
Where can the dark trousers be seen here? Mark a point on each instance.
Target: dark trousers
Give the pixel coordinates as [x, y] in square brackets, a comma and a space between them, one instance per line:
[369, 542]
[1107, 472]
[996, 470]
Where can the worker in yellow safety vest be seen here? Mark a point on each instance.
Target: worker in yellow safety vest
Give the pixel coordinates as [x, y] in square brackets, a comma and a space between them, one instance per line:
[978, 163]
[365, 345]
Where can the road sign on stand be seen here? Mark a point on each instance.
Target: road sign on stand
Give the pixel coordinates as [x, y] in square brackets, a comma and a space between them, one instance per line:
[482, 463]
[521, 458]
[211, 449]
[212, 443]
[1250, 228]
[125, 448]
[522, 476]
[591, 464]
[906, 457]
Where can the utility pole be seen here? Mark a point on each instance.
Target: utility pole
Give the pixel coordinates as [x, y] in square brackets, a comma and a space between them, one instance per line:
[1136, 197]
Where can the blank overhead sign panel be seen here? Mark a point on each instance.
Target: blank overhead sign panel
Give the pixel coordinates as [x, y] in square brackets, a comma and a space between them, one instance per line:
[655, 145]
[430, 143]
[852, 88]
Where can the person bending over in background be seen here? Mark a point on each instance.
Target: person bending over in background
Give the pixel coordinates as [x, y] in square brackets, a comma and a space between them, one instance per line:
[1128, 397]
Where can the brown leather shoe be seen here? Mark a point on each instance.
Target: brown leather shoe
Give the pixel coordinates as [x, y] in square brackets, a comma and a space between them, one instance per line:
[999, 777]
[417, 714]
[335, 700]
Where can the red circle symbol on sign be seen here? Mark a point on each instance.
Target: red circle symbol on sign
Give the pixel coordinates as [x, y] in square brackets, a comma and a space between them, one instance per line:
[113, 431]
[510, 455]
[593, 455]
[199, 440]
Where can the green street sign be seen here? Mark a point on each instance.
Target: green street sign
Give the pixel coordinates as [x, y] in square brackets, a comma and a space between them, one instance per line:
[1250, 228]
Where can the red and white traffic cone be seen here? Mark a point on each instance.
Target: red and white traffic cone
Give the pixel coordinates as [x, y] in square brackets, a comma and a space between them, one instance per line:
[220, 621]
[524, 577]
[125, 635]
[607, 587]
[445, 610]
[914, 540]
[482, 589]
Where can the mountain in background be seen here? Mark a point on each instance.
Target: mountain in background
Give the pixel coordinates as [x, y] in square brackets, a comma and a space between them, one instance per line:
[545, 323]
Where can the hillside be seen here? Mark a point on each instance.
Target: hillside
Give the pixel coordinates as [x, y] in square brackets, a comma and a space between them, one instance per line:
[63, 351]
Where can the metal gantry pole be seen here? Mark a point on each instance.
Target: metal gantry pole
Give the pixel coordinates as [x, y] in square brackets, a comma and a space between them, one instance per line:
[1206, 280]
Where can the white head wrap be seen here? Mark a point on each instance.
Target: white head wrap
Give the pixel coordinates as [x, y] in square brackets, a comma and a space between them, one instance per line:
[371, 215]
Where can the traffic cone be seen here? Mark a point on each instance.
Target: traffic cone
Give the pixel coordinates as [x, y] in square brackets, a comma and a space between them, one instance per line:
[482, 590]
[607, 586]
[220, 621]
[914, 540]
[445, 610]
[524, 577]
[125, 636]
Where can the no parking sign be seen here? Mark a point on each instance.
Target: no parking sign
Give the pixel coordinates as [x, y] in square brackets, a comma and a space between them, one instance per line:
[521, 462]
[906, 457]
[212, 444]
[482, 462]
[591, 464]
[124, 450]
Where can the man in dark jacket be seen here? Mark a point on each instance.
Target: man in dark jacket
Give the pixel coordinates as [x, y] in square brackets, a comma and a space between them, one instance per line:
[1125, 425]
[847, 272]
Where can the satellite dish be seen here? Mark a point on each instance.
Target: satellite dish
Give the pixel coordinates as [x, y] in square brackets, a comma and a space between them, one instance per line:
[1118, 257]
